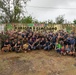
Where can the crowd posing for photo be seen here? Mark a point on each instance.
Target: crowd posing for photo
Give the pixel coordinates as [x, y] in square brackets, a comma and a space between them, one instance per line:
[62, 42]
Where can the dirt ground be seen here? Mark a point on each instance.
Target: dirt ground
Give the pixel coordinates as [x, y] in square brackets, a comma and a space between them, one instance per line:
[37, 63]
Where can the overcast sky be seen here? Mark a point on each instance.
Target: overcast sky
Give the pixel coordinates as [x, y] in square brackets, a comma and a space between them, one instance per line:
[43, 14]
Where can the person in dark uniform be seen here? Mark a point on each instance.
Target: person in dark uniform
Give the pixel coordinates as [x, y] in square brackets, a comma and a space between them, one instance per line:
[18, 47]
[13, 46]
[6, 46]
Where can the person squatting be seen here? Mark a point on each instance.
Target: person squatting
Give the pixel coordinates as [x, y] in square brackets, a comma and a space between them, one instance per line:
[62, 42]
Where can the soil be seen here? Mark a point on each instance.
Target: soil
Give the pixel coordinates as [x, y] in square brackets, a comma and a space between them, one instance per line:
[37, 62]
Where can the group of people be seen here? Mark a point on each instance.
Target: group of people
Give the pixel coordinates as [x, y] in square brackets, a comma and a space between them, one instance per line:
[62, 42]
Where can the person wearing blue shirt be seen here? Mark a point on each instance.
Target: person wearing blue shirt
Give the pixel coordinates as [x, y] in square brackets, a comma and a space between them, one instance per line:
[42, 43]
[47, 45]
[30, 42]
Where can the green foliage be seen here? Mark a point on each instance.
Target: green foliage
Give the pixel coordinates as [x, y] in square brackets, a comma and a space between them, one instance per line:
[3, 37]
[74, 21]
[68, 28]
[60, 19]
[35, 21]
[50, 21]
[27, 19]
[9, 27]
[11, 10]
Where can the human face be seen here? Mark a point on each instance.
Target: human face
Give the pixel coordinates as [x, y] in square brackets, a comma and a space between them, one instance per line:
[6, 40]
[18, 42]
[42, 38]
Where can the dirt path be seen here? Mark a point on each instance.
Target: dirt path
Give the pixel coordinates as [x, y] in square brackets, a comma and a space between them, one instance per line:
[37, 63]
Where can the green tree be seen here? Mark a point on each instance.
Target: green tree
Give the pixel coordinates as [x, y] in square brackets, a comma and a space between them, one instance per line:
[27, 19]
[12, 10]
[35, 21]
[74, 21]
[60, 19]
[43, 22]
[50, 22]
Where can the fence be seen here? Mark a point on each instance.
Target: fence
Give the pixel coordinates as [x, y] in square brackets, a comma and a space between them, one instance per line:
[2, 27]
[37, 27]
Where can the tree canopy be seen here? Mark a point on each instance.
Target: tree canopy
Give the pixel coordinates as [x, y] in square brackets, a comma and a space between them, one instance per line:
[74, 21]
[12, 10]
[27, 19]
[60, 19]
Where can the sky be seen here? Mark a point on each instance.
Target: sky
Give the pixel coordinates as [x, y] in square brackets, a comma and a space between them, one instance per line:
[42, 9]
